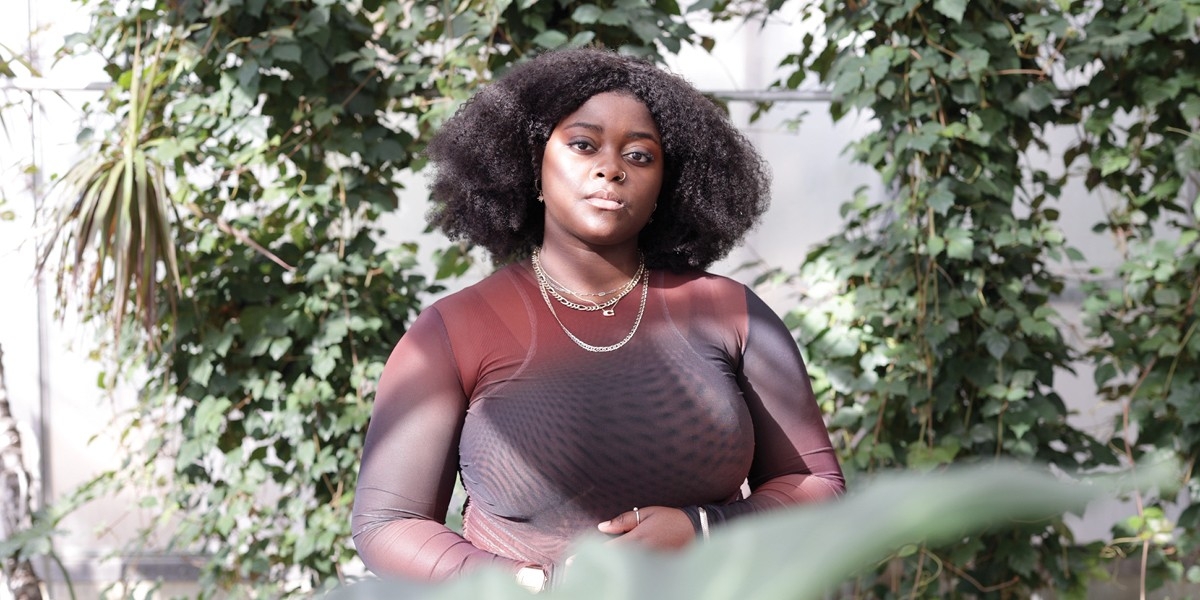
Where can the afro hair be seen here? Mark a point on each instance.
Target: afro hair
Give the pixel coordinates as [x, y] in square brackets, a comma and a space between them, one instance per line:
[487, 159]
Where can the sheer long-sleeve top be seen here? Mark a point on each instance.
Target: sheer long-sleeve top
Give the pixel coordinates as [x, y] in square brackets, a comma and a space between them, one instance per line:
[551, 439]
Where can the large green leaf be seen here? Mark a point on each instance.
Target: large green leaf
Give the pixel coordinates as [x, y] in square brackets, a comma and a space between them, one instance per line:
[801, 552]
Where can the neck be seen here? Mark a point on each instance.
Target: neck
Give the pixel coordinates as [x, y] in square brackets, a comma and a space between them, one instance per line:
[590, 270]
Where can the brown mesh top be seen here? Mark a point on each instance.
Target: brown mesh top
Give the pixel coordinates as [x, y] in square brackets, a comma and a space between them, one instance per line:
[552, 439]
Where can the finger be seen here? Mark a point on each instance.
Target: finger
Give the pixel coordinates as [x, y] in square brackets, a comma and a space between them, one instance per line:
[622, 523]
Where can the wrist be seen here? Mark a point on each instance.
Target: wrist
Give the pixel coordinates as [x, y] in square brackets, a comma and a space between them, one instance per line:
[703, 517]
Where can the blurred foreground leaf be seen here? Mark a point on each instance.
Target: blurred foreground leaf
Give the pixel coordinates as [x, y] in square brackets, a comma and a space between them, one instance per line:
[807, 551]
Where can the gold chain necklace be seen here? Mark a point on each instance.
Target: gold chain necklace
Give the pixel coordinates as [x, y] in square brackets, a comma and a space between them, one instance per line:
[606, 307]
[548, 284]
[624, 289]
[645, 277]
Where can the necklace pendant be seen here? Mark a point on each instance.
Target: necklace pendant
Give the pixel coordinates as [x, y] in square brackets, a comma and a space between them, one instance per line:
[609, 312]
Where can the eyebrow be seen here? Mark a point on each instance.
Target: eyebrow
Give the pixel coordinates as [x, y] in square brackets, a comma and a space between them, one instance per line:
[633, 135]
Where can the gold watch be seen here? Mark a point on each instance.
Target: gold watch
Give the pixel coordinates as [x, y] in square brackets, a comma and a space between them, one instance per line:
[532, 578]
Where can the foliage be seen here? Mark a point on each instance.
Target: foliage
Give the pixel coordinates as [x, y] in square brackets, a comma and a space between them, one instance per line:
[281, 131]
[801, 552]
[120, 208]
[929, 323]
[1137, 118]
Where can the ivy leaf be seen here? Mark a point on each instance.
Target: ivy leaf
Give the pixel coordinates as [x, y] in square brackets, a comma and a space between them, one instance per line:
[1191, 108]
[960, 245]
[325, 362]
[587, 14]
[200, 371]
[648, 31]
[279, 347]
[550, 39]
[210, 414]
[614, 17]
[1104, 373]
[940, 200]
[935, 245]
[953, 9]
[1168, 16]
[1034, 99]
[288, 52]
[997, 344]
[1113, 162]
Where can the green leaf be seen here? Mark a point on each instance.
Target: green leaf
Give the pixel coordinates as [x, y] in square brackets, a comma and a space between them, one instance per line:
[1168, 16]
[614, 17]
[200, 371]
[550, 39]
[935, 245]
[210, 414]
[1034, 99]
[940, 200]
[1105, 372]
[997, 344]
[586, 14]
[325, 362]
[960, 245]
[954, 9]
[798, 553]
[279, 347]
[1114, 163]
[286, 52]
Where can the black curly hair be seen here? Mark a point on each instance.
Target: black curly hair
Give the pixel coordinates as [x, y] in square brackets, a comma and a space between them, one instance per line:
[488, 159]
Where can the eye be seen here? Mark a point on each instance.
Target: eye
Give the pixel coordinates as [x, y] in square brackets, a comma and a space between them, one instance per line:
[639, 157]
[580, 145]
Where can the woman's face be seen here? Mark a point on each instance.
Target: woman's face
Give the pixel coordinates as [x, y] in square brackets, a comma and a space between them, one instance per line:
[601, 173]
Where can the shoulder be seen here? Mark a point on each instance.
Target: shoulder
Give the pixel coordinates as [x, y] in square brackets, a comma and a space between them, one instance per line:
[719, 302]
[701, 286]
[708, 307]
[496, 289]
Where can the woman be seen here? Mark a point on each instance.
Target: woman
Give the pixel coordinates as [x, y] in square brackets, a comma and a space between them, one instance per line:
[600, 380]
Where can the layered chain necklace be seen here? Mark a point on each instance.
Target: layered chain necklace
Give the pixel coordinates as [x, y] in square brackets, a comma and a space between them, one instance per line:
[606, 307]
[547, 286]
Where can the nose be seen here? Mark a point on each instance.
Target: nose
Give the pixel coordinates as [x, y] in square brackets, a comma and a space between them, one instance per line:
[613, 173]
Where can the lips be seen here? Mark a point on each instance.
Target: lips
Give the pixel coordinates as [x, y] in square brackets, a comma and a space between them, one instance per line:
[605, 200]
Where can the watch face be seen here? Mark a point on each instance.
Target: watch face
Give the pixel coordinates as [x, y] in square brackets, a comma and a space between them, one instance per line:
[531, 578]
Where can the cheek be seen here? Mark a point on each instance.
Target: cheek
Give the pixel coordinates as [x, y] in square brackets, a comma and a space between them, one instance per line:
[655, 189]
[556, 171]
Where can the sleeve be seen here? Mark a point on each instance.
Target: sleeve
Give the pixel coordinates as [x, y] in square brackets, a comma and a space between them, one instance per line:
[410, 461]
[794, 461]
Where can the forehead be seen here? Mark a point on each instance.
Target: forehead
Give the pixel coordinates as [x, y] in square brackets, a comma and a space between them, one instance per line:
[612, 110]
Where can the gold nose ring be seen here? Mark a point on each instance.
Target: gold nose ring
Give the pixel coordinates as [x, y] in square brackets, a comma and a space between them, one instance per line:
[621, 178]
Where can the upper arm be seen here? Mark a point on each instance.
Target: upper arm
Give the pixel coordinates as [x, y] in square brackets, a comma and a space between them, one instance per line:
[789, 429]
[410, 455]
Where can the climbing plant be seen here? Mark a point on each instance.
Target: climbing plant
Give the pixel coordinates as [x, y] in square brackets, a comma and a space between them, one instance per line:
[929, 319]
[1137, 149]
[257, 145]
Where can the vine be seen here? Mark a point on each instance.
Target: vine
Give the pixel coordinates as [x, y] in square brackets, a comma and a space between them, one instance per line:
[938, 342]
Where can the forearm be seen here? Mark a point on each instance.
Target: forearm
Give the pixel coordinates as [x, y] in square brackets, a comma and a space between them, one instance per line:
[421, 549]
[776, 493]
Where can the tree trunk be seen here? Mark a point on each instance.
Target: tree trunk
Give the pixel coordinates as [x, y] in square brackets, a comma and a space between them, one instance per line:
[15, 513]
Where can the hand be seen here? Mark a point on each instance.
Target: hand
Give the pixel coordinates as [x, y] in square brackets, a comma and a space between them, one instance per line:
[662, 528]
